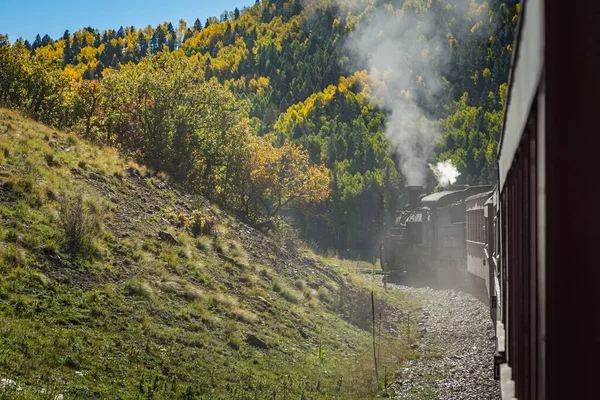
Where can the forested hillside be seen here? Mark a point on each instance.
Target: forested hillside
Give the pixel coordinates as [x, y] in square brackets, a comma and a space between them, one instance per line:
[288, 107]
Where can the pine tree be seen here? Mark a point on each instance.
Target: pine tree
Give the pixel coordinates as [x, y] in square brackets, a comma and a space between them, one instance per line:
[171, 37]
[197, 25]
[37, 42]
[75, 49]
[67, 55]
[236, 13]
[142, 44]
[188, 35]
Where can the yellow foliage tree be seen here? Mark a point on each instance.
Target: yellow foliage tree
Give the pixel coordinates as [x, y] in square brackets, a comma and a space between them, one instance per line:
[283, 175]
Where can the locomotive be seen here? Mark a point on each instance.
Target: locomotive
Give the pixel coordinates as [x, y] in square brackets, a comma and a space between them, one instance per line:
[533, 237]
[429, 238]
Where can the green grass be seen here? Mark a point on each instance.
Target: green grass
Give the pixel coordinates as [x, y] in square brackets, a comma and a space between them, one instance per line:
[133, 317]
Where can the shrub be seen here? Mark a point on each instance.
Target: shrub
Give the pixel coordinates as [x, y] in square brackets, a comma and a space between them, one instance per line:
[200, 223]
[80, 222]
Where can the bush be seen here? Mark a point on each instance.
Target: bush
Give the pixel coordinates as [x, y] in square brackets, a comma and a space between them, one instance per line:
[80, 221]
[199, 223]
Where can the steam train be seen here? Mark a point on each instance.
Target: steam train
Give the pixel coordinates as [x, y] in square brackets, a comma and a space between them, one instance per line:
[532, 239]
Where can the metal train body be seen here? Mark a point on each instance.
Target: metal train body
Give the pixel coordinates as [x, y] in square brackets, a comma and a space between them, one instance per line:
[533, 239]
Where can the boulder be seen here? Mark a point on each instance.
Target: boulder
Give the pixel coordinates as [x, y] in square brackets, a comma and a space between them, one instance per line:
[255, 341]
[168, 238]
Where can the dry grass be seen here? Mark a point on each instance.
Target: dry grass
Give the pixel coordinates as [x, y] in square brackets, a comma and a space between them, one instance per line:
[138, 287]
[237, 252]
[204, 243]
[286, 292]
[244, 315]
[194, 294]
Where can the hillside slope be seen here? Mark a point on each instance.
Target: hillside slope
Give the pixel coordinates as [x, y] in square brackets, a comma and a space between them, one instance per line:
[106, 292]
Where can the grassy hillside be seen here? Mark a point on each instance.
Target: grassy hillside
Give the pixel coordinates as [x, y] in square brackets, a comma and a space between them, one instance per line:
[108, 291]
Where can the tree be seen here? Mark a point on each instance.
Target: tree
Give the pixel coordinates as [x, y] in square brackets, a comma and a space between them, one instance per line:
[46, 40]
[171, 37]
[236, 13]
[37, 42]
[87, 98]
[283, 176]
[67, 54]
[142, 43]
[197, 25]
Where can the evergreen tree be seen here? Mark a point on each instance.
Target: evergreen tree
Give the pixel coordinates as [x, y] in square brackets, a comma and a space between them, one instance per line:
[46, 40]
[67, 55]
[188, 35]
[142, 43]
[171, 37]
[37, 42]
[75, 49]
[197, 25]
[236, 13]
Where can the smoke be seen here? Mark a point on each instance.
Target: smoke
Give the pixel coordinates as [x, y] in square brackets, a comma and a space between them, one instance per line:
[399, 51]
[445, 172]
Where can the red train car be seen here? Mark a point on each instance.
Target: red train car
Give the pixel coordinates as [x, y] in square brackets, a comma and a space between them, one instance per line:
[542, 220]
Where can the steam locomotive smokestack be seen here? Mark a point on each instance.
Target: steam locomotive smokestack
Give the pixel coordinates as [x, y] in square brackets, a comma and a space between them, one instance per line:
[414, 192]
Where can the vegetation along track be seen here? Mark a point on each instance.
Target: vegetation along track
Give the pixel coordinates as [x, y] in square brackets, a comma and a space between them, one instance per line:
[457, 349]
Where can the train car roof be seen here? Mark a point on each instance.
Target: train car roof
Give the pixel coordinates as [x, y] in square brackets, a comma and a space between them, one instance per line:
[448, 197]
[479, 196]
[525, 76]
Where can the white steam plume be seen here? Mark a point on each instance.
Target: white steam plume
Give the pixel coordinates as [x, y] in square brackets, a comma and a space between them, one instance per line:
[398, 51]
[445, 172]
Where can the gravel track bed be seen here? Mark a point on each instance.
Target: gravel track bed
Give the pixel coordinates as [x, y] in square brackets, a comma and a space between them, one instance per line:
[457, 349]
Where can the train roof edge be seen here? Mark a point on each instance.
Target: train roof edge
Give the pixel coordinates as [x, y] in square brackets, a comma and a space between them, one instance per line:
[447, 197]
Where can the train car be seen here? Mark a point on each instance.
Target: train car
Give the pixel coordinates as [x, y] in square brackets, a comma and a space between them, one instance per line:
[543, 221]
[477, 239]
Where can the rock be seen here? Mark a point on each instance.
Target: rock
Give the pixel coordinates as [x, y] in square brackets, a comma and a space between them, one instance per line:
[168, 238]
[9, 383]
[255, 341]
[302, 333]
[265, 301]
